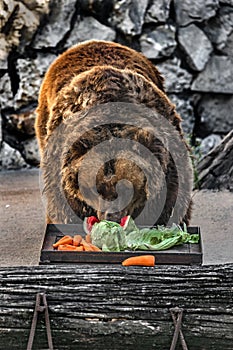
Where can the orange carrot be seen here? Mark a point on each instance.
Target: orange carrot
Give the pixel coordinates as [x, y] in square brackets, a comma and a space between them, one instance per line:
[77, 240]
[86, 246]
[94, 248]
[67, 247]
[64, 240]
[88, 238]
[141, 260]
[79, 248]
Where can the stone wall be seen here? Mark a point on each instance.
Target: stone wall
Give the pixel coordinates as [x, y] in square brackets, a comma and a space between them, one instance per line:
[190, 41]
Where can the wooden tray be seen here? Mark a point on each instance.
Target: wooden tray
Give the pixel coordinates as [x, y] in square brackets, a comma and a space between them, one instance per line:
[186, 254]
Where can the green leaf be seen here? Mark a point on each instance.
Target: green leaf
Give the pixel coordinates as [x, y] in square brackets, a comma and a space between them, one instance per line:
[130, 226]
[163, 245]
[194, 238]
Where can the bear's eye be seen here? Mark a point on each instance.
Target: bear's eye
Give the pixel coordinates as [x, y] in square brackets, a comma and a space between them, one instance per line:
[109, 167]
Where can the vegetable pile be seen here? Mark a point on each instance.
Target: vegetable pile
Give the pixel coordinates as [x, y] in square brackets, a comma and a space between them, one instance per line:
[111, 236]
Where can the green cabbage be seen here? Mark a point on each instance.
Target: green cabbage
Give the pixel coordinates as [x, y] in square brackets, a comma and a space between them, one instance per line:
[109, 236]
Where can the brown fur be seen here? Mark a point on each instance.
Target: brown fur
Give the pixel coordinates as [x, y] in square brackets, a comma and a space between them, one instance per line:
[82, 58]
[85, 76]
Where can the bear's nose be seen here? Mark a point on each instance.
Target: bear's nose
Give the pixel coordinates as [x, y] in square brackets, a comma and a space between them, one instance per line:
[116, 216]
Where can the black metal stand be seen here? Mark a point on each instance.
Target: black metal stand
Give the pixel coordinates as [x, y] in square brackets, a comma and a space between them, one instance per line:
[41, 306]
[177, 314]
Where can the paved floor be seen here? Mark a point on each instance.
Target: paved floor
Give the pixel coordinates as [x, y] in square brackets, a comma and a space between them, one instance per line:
[22, 221]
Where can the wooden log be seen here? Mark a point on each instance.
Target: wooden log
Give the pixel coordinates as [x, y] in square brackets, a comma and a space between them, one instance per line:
[126, 308]
[215, 170]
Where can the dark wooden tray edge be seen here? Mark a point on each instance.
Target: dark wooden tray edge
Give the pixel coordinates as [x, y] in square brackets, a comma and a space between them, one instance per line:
[49, 256]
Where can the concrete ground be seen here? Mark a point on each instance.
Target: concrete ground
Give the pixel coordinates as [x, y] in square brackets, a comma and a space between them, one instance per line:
[22, 223]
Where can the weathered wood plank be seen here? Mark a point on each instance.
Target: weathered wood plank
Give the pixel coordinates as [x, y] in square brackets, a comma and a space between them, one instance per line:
[94, 306]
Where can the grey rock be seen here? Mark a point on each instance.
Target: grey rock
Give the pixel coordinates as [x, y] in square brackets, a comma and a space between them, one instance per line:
[31, 73]
[159, 42]
[189, 11]
[177, 79]
[90, 28]
[100, 9]
[0, 129]
[219, 27]
[30, 151]
[10, 158]
[4, 51]
[6, 95]
[208, 143]
[228, 49]
[215, 169]
[158, 12]
[216, 114]
[216, 77]
[128, 16]
[21, 124]
[21, 22]
[40, 6]
[196, 46]
[7, 7]
[19, 134]
[57, 25]
[185, 109]
[226, 2]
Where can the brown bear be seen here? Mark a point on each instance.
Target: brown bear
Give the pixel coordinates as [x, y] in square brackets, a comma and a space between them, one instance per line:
[84, 96]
